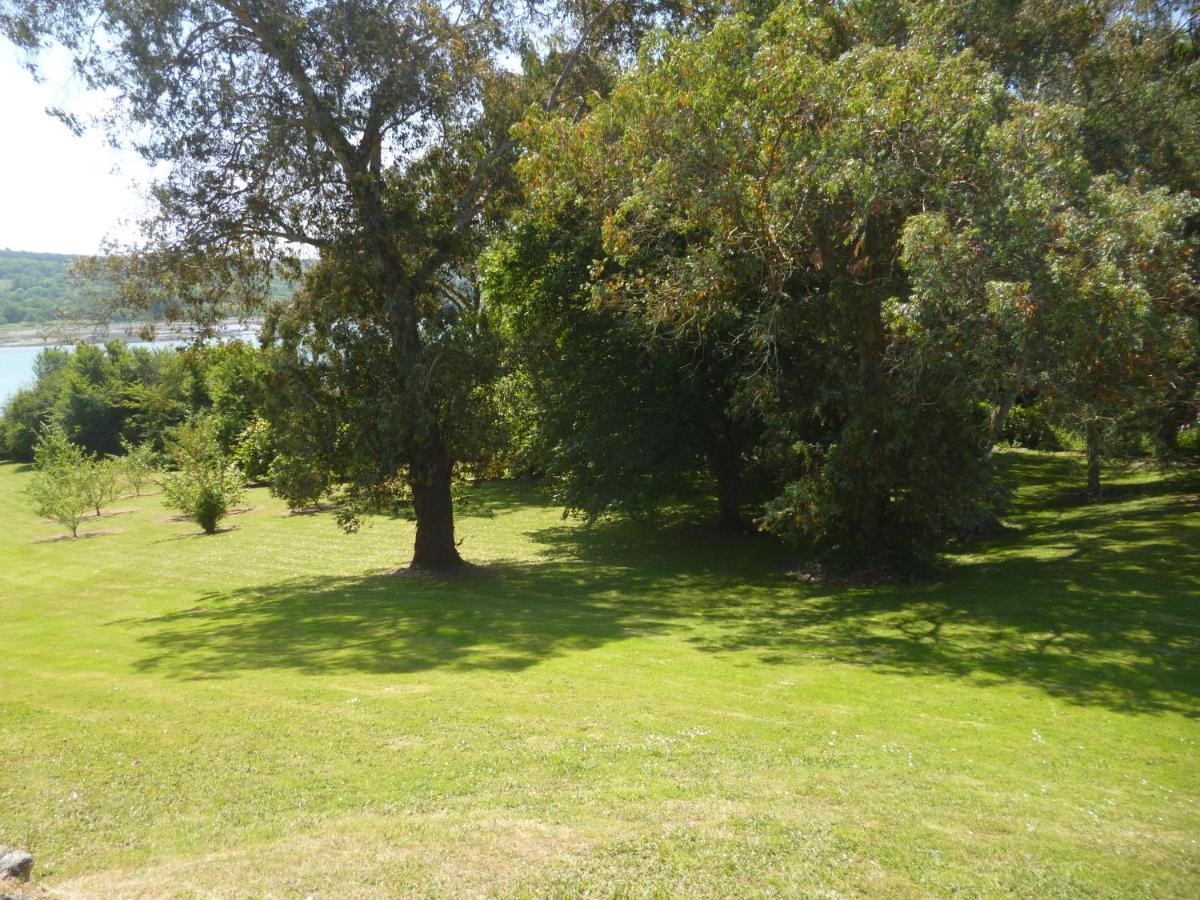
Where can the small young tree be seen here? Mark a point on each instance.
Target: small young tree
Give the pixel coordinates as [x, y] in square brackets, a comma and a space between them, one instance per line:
[101, 481]
[54, 450]
[138, 465]
[60, 494]
[205, 483]
[59, 488]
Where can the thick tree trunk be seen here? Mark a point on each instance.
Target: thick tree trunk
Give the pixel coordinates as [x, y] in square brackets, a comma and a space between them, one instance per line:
[434, 549]
[1093, 458]
[998, 419]
[1167, 436]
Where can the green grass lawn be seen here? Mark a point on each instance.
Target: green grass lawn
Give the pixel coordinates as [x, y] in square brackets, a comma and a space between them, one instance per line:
[605, 710]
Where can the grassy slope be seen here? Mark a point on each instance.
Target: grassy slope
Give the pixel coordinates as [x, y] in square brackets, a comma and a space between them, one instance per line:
[265, 712]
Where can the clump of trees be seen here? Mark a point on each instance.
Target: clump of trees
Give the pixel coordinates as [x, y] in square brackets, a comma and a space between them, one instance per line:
[110, 398]
[872, 208]
[67, 482]
[822, 257]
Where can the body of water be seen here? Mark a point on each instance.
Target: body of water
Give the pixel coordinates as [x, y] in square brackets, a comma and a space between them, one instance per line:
[16, 369]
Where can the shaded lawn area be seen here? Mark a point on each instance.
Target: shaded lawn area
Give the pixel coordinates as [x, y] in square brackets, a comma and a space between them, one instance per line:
[611, 709]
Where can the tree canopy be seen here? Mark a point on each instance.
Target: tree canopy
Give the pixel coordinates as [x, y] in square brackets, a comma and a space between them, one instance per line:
[813, 252]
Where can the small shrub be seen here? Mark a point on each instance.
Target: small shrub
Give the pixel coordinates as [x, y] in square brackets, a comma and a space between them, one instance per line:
[205, 483]
[1031, 428]
[296, 482]
[138, 465]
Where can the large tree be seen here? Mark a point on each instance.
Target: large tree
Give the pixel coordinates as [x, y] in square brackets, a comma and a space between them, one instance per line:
[890, 197]
[373, 133]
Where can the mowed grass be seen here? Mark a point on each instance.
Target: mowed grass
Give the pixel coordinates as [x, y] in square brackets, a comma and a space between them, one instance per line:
[605, 710]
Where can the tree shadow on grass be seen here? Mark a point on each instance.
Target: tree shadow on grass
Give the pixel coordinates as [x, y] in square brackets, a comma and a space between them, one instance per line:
[61, 538]
[505, 617]
[1097, 607]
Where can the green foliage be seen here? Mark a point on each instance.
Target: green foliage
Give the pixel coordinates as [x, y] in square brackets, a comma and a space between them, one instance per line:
[297, 481]
[254, 449]
[36, 287]
[892, 230]
[55, 450]
[1030, 427]
[138, 464]
[622, 419]
[102, 482]
[204, 483]
[62, 494]
[63, 485]
[113, 396]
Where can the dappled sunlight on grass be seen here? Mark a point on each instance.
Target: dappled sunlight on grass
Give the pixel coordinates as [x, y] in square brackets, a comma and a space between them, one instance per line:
[616, 707]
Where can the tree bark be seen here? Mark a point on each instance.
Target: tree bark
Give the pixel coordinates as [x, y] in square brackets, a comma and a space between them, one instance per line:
[1093, 458]
[998, 419]
[434, 549]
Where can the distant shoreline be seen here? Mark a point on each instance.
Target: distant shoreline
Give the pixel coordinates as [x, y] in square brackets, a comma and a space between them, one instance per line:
[58, 333]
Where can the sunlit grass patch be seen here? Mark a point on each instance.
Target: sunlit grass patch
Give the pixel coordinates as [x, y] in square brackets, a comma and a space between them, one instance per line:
[613, 709]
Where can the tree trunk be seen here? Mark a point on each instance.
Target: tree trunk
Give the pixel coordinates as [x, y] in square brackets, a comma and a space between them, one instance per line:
[1167, 436]
[434, 549]
[998, 419]
[1093, 458]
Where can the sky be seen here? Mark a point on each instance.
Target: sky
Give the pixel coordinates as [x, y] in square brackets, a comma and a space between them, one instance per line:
[59, 193]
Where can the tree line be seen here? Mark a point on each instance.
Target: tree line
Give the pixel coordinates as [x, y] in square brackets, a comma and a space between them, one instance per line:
[823, 256]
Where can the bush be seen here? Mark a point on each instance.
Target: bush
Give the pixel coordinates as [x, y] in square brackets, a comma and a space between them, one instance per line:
[297, 482]
[1031, 428]
[205, 483]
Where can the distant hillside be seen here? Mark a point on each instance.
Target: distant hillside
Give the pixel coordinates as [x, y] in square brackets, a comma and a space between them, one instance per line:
[35, 288]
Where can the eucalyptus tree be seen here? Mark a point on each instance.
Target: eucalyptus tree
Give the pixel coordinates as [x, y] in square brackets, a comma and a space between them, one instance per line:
[371, 134]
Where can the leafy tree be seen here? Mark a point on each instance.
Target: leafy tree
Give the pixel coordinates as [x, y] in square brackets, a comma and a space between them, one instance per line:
[102, 482]
[204, 483]
[850, 195]
[62, 481]
[1130, 74]
[255, 449]
[138, 464]
[382, 143]
[61, 494]
[625, 419]
[54, 450]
